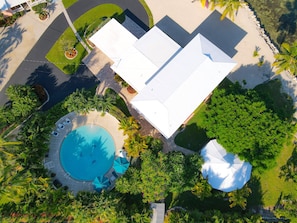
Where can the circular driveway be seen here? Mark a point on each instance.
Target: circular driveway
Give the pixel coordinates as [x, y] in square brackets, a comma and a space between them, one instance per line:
[36, 70]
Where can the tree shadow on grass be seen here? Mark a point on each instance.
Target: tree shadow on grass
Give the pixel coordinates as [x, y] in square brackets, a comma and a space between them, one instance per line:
[192, 137]
[216, 202]
[279, 102]
[289, 170]
[256, 197]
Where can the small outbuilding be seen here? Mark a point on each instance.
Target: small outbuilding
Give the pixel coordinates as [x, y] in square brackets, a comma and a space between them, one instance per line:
[224, 171]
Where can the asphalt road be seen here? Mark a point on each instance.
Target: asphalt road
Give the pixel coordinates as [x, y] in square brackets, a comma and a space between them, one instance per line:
[36, 70]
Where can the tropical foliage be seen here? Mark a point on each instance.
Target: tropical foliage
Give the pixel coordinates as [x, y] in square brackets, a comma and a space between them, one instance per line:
[239, 197]
[287, 207]
[178, 216]
[202, 189]
[24, 101]
[286, 59]
[215, 216]
[160, 174]
[230, 7]
[289, 170]
[82, 101]
[241, 122]
[135, 145]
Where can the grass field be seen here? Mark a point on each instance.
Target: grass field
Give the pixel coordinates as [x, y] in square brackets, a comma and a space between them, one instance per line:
[267, 186]
[57, 57]
[148, 12]
[56, 54]
[68, 3]
[272, 185]
[96, 15]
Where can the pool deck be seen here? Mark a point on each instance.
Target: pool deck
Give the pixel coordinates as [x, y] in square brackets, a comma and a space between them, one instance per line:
[63, 127]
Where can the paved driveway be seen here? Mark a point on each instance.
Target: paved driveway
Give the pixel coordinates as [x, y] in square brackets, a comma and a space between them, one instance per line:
[35, 70]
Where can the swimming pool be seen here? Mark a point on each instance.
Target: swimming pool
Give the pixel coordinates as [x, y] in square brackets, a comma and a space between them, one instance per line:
[87, 152]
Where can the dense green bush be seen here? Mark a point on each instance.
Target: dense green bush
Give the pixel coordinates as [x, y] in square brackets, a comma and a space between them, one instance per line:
[240, 121]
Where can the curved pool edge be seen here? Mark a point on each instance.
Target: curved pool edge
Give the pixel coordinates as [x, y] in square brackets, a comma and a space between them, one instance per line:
[107, 121]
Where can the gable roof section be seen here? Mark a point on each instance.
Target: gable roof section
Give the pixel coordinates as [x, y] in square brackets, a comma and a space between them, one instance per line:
[171, 82]
[7, 4]
[113, 40]
[181, 86]
[135, 60]
[145, 57]
[157, 46]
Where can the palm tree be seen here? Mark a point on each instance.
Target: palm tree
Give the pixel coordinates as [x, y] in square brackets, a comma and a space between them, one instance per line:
[202, 189]
[78, 101]
[286, 59]
[135, 144]
[211, 3]
[239, 197]
[108, 104]
[4, 143]
[231, 7]
[129, 125]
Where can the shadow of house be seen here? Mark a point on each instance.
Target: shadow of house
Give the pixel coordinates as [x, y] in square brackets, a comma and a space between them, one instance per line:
[140, 23]
[60, 86]
[223, 33]
[252, 75]
[134, 24]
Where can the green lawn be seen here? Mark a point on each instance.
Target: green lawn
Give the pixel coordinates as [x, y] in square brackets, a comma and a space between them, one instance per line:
[267, 187]
[193, 137]
[94, 17]
[56, 54]
[68, 3]
[149, 13]
[273, 186]
[57, 57]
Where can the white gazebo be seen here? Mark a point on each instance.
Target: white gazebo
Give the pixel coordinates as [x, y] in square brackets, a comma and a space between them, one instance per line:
[224, 171]
[171, 81]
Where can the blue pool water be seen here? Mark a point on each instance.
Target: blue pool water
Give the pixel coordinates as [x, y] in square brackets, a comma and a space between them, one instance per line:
[87, 152]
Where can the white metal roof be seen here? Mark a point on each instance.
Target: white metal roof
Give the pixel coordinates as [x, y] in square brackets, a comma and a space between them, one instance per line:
[224, 171]
[171, 82]
[136, 61]
[181, 86]
[7, 4]
[113, 40]
[157, 46]
[134, 68]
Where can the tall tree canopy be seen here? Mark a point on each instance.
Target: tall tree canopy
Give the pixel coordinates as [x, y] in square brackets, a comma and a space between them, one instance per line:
[161, 173]
[23, 100]
[242, 124]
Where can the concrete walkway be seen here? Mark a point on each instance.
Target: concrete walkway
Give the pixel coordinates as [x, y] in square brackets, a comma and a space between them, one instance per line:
[17, 40]
[74, 30]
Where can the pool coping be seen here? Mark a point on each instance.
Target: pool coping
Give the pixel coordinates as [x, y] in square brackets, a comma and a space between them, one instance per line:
[65, 125]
